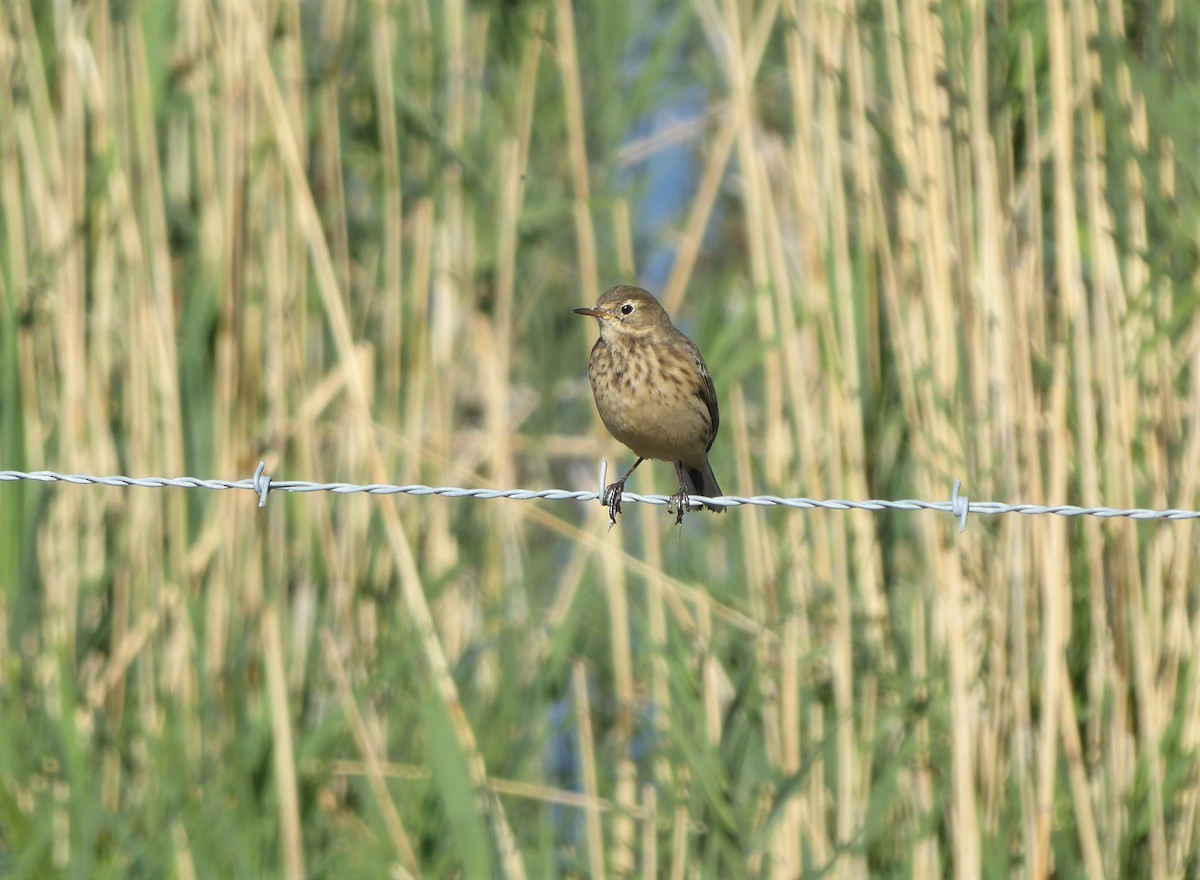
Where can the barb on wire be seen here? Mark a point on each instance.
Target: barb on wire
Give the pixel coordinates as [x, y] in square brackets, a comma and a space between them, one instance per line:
[960, 506]
[261, 484]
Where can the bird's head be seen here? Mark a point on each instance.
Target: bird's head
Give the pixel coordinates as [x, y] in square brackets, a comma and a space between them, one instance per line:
[626, 312]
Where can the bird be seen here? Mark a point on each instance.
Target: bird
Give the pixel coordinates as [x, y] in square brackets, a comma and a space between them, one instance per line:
[654, 394]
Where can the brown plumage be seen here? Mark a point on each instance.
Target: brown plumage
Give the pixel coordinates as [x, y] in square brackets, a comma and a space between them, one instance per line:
[653, 393]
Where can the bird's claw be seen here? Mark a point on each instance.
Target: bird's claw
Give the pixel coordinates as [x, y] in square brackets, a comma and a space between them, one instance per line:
[678, 504]
[612, 500]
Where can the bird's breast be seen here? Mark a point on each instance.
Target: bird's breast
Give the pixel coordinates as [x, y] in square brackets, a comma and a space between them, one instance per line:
[649, 398]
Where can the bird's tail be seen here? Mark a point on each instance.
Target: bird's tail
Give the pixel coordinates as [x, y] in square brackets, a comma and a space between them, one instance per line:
[700, 481]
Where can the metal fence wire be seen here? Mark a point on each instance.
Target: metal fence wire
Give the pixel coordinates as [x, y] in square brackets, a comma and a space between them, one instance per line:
[262, 485]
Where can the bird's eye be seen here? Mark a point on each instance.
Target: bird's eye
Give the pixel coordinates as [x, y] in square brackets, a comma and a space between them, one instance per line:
[627, 309]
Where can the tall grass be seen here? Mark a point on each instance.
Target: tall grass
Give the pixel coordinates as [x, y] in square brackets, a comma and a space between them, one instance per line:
[924, 242]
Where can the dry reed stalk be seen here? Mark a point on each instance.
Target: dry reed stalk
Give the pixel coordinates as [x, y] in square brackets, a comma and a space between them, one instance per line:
[623, 231]
[577, 152]
[1053, 631]
[496, 368]
[804, 818]
[184, 863]
[587, 755]
[419, 371]
[1081, 792]
[1027, 319]
[453, 244]
[545, 793]
[390, 294]
[374, 767]
[291, 837]
[660, 596]
[613, 573]
[679, 841]
[649, 851]
[762, 572]
[624, 825]
[927, 856]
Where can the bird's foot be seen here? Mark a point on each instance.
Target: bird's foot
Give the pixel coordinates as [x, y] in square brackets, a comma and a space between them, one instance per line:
[612, 500]
[678, 504]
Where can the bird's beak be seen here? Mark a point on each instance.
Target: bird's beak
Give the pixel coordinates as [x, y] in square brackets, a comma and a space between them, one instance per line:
[592, 313]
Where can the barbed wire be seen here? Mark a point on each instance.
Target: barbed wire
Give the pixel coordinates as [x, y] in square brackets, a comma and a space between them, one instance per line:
[261, 485]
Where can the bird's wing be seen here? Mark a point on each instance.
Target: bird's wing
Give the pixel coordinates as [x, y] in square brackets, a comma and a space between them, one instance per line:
[708, 394]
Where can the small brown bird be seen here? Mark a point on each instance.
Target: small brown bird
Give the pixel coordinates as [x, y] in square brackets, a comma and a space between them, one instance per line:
[654, 394]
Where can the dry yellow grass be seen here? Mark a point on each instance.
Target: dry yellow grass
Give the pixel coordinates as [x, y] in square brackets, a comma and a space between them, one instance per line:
[347, 240]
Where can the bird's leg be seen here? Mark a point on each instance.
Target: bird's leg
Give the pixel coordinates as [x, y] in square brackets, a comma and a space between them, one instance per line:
[613, 492]
[679, 501]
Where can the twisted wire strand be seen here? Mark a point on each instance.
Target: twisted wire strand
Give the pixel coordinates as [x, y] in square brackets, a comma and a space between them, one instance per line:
[261, 484]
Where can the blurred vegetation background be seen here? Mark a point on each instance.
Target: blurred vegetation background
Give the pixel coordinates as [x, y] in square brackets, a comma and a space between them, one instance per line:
[916, 242]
